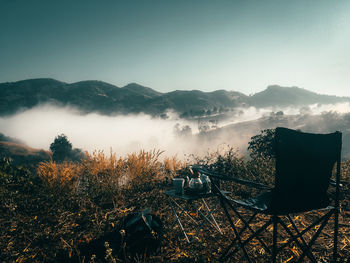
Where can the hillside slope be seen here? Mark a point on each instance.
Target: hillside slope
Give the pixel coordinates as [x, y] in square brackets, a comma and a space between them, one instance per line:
[21, 154]
[291, 96]
[105, 98]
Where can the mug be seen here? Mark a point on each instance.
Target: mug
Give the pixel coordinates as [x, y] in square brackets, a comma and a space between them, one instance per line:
[178, 184]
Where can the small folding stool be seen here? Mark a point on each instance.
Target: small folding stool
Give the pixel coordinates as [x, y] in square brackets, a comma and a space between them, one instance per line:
[194, 208]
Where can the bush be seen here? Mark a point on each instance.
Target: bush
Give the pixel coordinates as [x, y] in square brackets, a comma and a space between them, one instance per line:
[62, 150]
[261, 145]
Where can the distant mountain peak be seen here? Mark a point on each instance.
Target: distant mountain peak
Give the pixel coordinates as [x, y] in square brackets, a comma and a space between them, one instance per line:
[141, 90]
[40, 81]
[275, 95]
[278, 87]
[93, 82]
[133, 84]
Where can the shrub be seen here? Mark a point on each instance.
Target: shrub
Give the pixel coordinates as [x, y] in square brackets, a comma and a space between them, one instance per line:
[261, 145]
[58, 176]
[62, 150]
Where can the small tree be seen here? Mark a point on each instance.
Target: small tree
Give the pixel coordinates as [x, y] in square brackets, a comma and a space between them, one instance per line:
[183, 131]
[262, 151]
[262, 145]
[61, 148]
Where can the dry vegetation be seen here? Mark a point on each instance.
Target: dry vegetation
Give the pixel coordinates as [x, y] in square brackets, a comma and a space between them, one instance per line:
[46, 217]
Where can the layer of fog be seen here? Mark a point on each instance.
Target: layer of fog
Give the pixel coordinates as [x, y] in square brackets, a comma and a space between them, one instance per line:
[252, 113]
[124, 134]
[130, 133]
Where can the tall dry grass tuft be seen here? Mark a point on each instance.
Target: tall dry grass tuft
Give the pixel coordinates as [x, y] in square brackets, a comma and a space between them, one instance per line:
[58, 176]
[143, 168]
[172, 165]
[101, 178]
[98, 163]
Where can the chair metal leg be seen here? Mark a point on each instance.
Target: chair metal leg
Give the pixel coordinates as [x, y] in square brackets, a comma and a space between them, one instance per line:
[240, 233]
[302, 246]
[248, 226]
[274, 237]
[235, 230]
[336, 229]
[326, 216]
[256, 233]
[336, 212]
[313, 239]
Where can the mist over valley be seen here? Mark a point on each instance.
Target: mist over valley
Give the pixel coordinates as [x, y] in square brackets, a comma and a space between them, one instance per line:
[99, 116]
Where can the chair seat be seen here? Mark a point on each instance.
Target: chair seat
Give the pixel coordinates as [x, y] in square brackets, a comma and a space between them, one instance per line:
[260, 203]
[264, 204]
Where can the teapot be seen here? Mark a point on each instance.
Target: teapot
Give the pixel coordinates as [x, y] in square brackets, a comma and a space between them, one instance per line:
[196, 183]
[206, 183]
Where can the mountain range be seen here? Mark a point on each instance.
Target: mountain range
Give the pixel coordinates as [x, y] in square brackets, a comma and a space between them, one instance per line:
[108, 99]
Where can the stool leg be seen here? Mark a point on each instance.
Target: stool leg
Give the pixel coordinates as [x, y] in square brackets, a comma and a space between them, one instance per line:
[211, 216]
[178, 220]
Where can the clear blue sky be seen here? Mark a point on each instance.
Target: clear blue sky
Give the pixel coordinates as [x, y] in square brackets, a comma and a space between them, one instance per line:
[180, 44]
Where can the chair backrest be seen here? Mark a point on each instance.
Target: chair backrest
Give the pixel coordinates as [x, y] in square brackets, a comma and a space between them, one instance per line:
[304, 165]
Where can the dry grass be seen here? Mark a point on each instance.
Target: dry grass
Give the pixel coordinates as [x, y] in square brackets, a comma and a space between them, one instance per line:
[46, 218]
[58, 176]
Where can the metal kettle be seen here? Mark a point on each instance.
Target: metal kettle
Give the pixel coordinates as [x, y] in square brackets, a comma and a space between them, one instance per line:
[206, 183]
[196, 183]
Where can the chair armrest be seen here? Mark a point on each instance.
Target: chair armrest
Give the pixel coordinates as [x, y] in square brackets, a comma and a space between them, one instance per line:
[204, 170]
[334, 183]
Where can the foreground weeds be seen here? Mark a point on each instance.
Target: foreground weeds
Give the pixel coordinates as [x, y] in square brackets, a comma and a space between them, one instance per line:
[49, 216]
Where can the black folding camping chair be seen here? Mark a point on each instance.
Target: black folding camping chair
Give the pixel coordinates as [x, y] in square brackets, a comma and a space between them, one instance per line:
[304, 166]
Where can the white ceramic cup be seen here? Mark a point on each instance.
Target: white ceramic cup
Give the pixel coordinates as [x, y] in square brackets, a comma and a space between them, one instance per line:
[178, 184]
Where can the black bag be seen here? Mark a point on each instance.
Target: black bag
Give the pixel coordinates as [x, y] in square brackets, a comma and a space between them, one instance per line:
[137, 234]
[142, 233]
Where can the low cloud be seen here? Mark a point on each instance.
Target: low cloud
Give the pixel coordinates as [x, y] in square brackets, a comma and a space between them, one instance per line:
[129, 133]
[124, 134]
